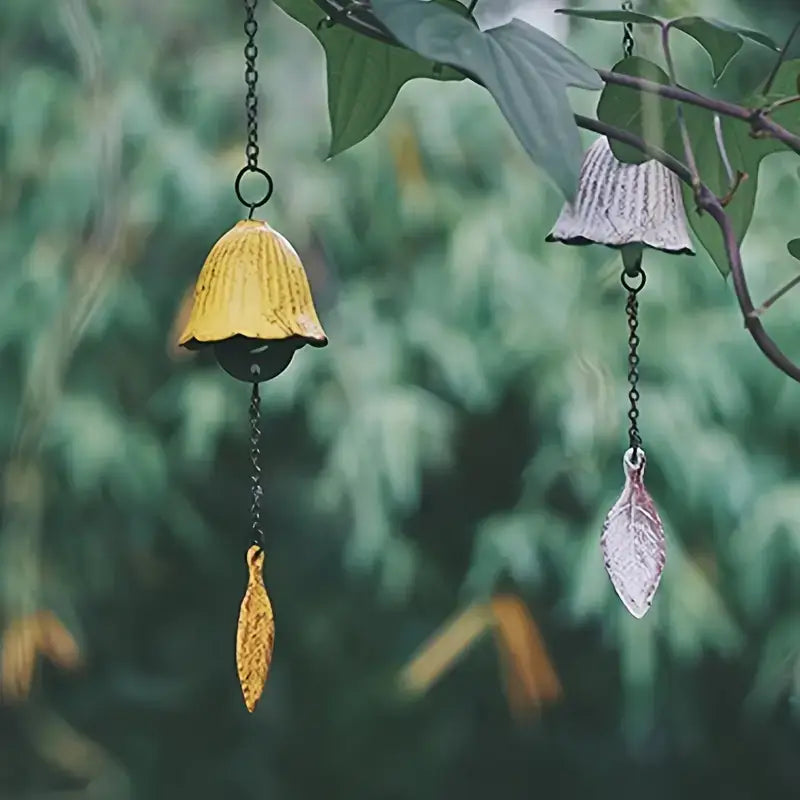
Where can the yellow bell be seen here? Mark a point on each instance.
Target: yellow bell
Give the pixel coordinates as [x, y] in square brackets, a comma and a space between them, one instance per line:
[252, 302]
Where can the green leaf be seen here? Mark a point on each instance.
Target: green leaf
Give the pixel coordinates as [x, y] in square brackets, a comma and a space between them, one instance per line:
[649, 116]
[720, 40]
[364, 75]
[654, 119]
[745, 154]
[525, 70]
[743, 157]
[794, 248]
[611, 16]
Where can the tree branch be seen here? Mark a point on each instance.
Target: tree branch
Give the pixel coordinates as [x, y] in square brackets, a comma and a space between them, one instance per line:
[363, 21]
[709, 202]
[631, 139]
[756, 118]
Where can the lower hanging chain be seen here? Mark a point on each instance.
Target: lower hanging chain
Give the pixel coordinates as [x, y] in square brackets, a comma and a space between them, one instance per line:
[633, 282]
[627, 39]
[255, 464]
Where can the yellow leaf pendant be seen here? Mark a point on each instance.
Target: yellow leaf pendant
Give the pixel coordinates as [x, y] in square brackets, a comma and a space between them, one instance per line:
[255, 634]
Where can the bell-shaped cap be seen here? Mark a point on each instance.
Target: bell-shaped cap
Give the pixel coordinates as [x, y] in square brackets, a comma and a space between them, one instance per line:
[252, 285]
[619, 204]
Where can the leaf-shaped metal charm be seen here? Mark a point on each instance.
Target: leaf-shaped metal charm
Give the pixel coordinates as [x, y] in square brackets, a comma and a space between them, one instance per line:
[633, 540]
[255, 635]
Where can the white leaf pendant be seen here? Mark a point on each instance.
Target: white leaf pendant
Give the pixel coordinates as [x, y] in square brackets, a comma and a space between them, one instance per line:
[633, 542]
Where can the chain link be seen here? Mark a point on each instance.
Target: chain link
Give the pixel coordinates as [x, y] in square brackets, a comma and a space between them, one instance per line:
[251, 107]
[255, 459]
[627, 39]
[251, 79]
[632, 310]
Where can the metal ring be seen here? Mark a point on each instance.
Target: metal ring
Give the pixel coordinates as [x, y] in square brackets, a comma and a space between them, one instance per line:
[237, 187]
[627, 279]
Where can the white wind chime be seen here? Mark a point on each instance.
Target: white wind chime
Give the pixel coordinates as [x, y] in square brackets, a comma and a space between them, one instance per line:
[630, 207]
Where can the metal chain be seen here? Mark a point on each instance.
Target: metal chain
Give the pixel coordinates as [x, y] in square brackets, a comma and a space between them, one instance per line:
[629, 281]
[627, 39]
[251, 107]
[255, 459]
[251, 79]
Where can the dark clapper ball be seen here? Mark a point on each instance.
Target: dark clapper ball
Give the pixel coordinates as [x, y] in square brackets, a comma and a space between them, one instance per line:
[255, 360]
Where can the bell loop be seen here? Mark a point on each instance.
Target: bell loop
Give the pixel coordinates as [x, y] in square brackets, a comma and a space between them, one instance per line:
[253, 205]
[633, 281]
[251, 106]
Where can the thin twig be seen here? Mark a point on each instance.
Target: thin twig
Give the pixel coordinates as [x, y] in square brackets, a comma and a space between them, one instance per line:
[688, 151]
[784, 101]
[723, 151]
[777, 296]
[737, 182]
[781, 58]
[734, 179]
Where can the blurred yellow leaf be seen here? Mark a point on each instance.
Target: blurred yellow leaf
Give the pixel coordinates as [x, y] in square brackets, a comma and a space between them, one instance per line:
[530, 677]
[27, 637]
[404, 146]
[255, 635]
[445, 647]
[56, 642]
[19, 659]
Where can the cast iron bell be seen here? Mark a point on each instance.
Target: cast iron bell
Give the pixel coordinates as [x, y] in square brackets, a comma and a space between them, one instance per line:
[621, 204]
[253, 304]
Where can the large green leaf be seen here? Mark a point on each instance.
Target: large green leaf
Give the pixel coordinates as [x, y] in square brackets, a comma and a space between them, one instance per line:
[654, 119]
[720, 40]
[649, 116]
[794, 248]
[745, 154]
[364, 75]
[525, 70]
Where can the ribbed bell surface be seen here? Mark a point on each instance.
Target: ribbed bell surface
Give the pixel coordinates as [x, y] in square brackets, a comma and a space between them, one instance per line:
[252, 304]
[619, 204]
[252, 284]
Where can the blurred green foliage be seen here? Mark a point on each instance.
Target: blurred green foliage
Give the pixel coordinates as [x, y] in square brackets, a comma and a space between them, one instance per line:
[462, 433]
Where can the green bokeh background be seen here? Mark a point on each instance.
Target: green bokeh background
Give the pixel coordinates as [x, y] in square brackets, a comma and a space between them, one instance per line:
[461, 435]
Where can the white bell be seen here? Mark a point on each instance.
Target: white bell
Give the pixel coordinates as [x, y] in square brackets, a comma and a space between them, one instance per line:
[619, 204]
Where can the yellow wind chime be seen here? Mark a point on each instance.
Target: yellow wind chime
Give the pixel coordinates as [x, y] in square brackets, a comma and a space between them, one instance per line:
[253, 305]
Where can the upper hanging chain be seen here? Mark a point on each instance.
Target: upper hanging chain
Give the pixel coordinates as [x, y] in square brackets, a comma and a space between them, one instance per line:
[251, 107]
[634, 282]
[251, 79]
[255, 464]
[627, 39]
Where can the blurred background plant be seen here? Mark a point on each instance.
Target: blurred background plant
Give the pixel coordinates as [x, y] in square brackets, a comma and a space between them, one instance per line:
[459, 440]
